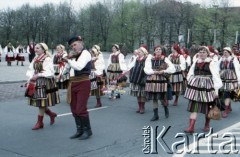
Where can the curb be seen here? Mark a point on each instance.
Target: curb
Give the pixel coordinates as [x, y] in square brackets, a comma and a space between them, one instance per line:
[9, 82]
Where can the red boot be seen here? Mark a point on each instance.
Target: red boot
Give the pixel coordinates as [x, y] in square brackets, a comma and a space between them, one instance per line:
[52, 116]
[190, 129]
[207, 126]
[226, 111]
[229, 108]
[176, 101]
[99, 104]
[142, 107]
[39, 123]
[166, 101]
[139, 107]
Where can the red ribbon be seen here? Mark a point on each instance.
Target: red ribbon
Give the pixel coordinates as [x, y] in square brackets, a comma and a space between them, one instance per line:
[225, 63]
[201, 64]
[61, 64]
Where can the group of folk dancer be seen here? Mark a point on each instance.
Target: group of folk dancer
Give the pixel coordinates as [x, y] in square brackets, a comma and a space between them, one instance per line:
[17, 54]
[155, 77]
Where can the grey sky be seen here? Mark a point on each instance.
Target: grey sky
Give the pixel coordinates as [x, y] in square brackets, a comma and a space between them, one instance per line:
[13, 4]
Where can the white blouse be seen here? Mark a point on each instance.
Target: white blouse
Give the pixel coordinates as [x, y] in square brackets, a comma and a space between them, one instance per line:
[99, 65]
[188, 60]
[148, 66]
[81, 62]
[132, 62]
[182, 61]
[48, 70]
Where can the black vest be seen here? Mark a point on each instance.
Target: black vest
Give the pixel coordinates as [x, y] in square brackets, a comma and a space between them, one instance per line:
[86, 70]
[137, 73]
[202, 69]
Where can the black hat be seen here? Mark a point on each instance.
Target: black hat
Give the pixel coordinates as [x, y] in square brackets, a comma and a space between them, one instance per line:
[73, 39]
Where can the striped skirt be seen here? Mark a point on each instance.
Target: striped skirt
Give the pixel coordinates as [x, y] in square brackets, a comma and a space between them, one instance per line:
[56, 69]
[113, 71]
[63, 81]
[178, 75]
[137, 90]
[98, 91]
[46, 94]
[93, 79]
[177, 79]
[62, 85]
[200, 89]
[156, 87]
[199, 107]
[200, 93]
[229, 79]
[156, 83]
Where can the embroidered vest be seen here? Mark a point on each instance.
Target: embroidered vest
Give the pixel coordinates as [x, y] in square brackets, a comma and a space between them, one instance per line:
[86, 70]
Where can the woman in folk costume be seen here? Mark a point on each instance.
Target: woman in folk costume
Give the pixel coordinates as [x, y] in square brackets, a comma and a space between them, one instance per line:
[213, 54]
[180, 65]
[159, 68]
[137, 78]
[9, 51]
[230, 75]
[41, 73]
[98, 66]
[62, 80]
[20, 54]
[187, 58]
[203, 84]
[115, 67]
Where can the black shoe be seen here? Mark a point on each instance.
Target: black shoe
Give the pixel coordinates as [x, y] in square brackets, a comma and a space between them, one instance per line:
[118, 96]
[155, 116]
[87, 132]
[166, 111]
[79, 128]
[78, 134]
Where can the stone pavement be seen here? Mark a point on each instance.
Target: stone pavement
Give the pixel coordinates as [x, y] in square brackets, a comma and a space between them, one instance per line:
[13, 73]
[11, 80]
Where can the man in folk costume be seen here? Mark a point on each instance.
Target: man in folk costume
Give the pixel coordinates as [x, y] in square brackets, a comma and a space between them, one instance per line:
[45, 95]
[180, 65]
[79, 86]
[61, 79]
[137, 78]
[10, 54]
[98, 67]
[230, 75]
[30, 51]
[115, 68]
[158, 68]
[187, 58]
[203, 84]
[20, 54]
